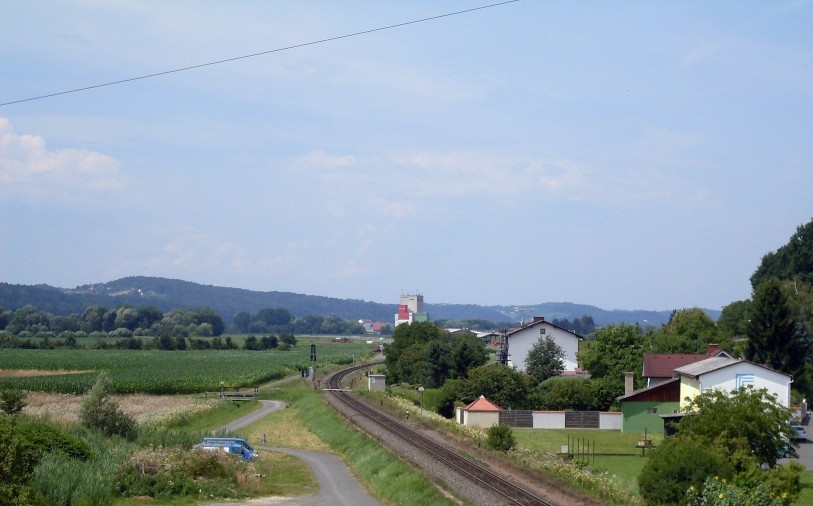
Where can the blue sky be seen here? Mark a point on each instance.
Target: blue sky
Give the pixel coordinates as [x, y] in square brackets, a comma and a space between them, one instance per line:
[630, 155]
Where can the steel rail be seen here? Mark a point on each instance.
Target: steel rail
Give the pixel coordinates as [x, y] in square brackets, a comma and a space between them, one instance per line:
[477, 473]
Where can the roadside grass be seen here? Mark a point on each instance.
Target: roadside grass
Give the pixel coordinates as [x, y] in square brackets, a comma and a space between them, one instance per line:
[208, 421]
[282, 475]
[283, 429]
[392, 480]
[806, 495]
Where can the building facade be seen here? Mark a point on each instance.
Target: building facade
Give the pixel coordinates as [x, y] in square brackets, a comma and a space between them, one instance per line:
[410, 309]
[521, 340]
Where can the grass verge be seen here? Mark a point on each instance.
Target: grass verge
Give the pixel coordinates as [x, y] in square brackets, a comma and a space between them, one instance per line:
[390, 479]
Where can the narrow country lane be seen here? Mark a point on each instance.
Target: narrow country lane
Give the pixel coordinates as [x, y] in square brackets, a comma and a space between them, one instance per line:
[337, 485]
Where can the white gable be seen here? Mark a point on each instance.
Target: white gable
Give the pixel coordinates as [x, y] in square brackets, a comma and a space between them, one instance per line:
[522, 340]
[746, 373]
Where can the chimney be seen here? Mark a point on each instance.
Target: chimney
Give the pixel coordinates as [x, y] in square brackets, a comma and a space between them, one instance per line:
[629, 382]
[712, 349]
[539, 319]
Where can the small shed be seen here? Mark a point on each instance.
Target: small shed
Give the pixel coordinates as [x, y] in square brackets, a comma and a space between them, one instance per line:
[480, 413]
[376, 383]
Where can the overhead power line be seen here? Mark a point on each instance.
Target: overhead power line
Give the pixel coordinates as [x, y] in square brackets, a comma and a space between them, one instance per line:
[321, 41]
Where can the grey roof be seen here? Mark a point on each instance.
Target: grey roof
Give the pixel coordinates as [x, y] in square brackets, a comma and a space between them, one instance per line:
[707, 365]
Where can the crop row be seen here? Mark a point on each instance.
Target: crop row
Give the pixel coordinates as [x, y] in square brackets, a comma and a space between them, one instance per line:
[162, 372]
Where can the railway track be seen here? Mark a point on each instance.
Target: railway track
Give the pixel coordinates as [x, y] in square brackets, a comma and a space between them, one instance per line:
[481, 476]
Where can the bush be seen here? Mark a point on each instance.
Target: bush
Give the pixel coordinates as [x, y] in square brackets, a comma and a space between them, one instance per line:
[501, 438]
[100, 412]
[169, 472]
[676, 465]
[24, 445]
[719, 492]
[12, 400]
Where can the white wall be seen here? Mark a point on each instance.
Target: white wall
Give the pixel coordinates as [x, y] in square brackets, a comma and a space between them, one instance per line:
[556, 420]
[522, 341]
[610, 421]
[482, 419]
[549, 419]
[726, 379]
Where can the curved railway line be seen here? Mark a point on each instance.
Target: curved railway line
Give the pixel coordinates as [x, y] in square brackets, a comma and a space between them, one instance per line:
[481, 476]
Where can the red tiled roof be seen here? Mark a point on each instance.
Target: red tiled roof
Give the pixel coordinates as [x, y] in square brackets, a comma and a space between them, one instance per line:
[663, 365]
[482, 404]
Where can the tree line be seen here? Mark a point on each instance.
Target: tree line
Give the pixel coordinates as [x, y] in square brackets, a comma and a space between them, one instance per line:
[127, 322]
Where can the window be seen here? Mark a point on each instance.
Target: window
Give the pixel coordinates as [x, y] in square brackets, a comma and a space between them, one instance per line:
[651, 411]
[744, 380]
[542, 331]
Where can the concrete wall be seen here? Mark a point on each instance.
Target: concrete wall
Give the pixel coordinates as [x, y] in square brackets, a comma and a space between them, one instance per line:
[610, 421]
[376, 383]
[482, 419]
[556, 420]
[549, 419]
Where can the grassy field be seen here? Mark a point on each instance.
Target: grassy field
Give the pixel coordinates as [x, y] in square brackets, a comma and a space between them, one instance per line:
[166, 372]
[610, 450]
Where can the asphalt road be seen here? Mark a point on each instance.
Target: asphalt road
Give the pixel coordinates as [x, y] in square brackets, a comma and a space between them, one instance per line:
[337, 486]
[805, 451]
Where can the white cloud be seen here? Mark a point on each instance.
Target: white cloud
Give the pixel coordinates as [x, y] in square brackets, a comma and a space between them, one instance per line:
[433, 175]
[28, 166]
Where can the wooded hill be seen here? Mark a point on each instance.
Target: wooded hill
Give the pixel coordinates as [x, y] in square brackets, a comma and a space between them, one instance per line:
[169, 294]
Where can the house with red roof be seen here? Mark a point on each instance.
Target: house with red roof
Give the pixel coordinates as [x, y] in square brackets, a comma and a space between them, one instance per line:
[660, 367]
[480, 413]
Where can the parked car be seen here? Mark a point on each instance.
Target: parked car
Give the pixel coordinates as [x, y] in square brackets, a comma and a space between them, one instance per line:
[801, 435]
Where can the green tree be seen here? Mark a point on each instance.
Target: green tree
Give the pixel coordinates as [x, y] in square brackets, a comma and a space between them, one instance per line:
[678, 463]
[423, 354]
[688, 331]
[734, 318]
[560, 393]
[126, 317]
[545, 359]
[773, 334]
[793, 261]
[499, 384]
[241, 322]
[617, 349]
[207, 315]
[99, 411]
[92, 319]
[747, 423]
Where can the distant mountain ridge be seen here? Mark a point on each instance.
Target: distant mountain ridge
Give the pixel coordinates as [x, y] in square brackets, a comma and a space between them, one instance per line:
[168, 294]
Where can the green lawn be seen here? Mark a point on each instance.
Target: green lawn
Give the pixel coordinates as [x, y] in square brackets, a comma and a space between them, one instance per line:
[605, 442]
[609, 444]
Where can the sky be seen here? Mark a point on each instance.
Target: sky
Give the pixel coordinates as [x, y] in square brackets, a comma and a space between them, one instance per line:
[626, 155]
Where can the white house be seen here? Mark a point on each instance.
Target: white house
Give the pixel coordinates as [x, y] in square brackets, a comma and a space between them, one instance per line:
[728, 374]
[521, 340]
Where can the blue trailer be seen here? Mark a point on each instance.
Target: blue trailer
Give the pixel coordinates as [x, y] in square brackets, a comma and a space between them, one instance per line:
[229, 445]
